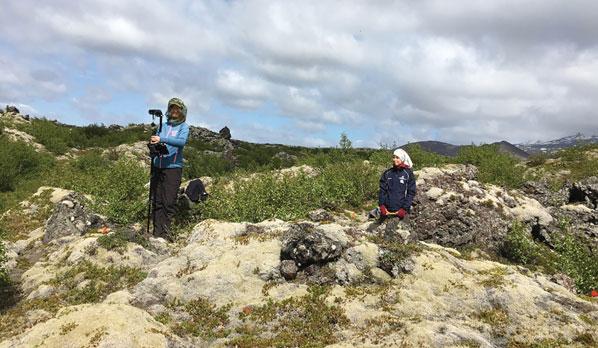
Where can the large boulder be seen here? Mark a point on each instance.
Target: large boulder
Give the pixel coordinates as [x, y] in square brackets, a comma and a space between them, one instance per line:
[307, 244]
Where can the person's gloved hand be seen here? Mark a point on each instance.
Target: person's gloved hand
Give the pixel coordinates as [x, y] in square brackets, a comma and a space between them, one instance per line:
[401, 213]
[383, 210]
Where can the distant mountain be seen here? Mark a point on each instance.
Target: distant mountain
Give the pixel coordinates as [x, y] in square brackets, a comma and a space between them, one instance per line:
[558, 144]
[513, 150]
[451, 150]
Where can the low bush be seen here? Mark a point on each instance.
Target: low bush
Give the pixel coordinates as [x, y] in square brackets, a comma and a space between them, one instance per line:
[570, 256]
[291, 197]
[308, 321]
[580, 162]
[59, 138]
[118, 187]
[118, 240]
[493, 166]
[199, 164]
[19, 161]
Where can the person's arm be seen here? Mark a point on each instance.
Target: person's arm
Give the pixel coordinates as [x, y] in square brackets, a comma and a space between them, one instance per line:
[411, 190]
[180, 139]
[382, 195]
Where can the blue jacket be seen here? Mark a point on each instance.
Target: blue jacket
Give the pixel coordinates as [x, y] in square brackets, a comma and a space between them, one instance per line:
[175, 138]
[397, 189]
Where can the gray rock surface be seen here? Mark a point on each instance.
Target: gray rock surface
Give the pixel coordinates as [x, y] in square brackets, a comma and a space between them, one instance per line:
[71, 218]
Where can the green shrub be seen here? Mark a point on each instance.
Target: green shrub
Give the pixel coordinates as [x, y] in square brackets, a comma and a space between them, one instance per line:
[206, 320]
[120, 193]
[493, 166]
[538, 159]
[198, 164]
[292, 197]
[570, 256]
[577, 261]
[307, 321]
[117, 187]
[19, 161]
[118, 240]
[59, 138]
[91, 161]
[575, 159]
[101, 136]
[55, 137]
[114, 241]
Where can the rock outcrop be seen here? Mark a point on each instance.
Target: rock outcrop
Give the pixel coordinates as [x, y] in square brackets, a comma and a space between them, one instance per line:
[71, 218]
[455, 210]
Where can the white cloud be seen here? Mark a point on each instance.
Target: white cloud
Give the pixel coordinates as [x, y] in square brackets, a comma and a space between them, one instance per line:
[241, 91]
[457, 71]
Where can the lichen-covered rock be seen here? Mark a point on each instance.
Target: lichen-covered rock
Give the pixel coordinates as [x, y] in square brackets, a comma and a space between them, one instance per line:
[449, 301]
[221, 263]
[98, 325]
[363, 256]
[76, 251]
[137, 151]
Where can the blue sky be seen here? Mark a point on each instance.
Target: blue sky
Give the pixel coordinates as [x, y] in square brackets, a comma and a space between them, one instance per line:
[303, 72]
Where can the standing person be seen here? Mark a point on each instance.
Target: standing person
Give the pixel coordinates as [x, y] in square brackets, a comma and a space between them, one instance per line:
[168, 168]
[397, 186]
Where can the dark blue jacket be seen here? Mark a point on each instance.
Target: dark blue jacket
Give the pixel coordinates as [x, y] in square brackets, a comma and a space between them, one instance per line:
[397, 189]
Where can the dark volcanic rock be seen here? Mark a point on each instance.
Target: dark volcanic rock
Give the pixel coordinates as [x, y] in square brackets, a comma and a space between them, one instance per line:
[225, 133]
[11, 108]
[458, 222]
[585, 191]
[70, 218]
[288, 269]
[307, 245]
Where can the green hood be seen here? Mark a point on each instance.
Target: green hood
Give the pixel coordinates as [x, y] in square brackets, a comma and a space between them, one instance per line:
[177, 102]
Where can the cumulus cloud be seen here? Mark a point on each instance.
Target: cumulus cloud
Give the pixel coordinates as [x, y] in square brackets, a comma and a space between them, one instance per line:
[456, 71]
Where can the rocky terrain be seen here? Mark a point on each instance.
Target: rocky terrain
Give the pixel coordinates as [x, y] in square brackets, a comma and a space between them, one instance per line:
[334, 279]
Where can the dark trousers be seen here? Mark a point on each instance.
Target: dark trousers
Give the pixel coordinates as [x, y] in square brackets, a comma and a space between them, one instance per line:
[165, 185]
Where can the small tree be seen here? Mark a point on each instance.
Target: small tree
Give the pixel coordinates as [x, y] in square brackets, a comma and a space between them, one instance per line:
[344, 143]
